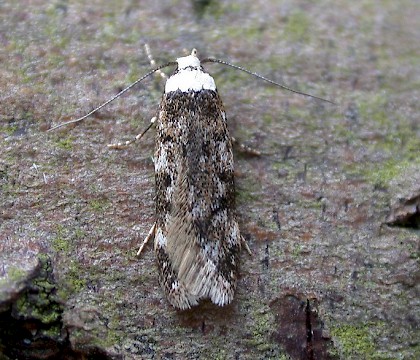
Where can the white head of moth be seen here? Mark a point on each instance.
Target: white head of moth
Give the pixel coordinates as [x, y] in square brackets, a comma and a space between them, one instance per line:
[196, 235]
[190, 76]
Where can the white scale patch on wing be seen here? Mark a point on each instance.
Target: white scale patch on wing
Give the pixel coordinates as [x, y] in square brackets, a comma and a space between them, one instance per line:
[197, 211]
[161, 161]
[221, 189]
[160, 239]
[225, 156]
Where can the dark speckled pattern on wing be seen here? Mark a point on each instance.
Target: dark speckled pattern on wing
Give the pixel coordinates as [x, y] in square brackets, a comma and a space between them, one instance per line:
[197, 238]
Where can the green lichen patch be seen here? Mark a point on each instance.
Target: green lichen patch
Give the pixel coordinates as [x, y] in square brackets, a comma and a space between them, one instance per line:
[16, 274]
[261, 334]
[99, 205]
[73, 280]
[357, 341]
[60, 245]
[261, 331]
[382, 175]
[39, 301]
[65, 143]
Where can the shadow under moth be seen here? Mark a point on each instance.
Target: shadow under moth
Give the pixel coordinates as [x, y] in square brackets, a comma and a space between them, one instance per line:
[196, 236]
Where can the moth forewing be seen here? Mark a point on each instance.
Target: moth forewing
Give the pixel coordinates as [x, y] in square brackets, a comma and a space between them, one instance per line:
[197, 238]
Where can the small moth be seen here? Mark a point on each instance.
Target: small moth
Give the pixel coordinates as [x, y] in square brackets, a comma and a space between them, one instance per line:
[196, 236]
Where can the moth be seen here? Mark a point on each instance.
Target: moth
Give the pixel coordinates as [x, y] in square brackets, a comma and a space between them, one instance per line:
[196, 235]
[197, 238]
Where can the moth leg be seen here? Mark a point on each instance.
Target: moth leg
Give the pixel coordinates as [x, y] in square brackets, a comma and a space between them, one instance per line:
[153, 62]
[124, 145]
[149, 236]
[245, 244]
[246, 149]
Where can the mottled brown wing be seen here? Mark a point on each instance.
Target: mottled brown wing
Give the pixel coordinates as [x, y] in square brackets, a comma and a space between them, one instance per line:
[197, 238]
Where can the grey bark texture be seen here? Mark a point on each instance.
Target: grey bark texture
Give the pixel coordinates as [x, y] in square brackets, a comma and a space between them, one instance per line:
[330, 209]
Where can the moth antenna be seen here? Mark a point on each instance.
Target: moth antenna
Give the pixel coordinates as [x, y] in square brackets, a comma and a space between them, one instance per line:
[264, 78]
[114, 97]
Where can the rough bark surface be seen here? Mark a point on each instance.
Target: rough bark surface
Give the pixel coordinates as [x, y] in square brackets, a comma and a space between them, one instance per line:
[330, 209]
